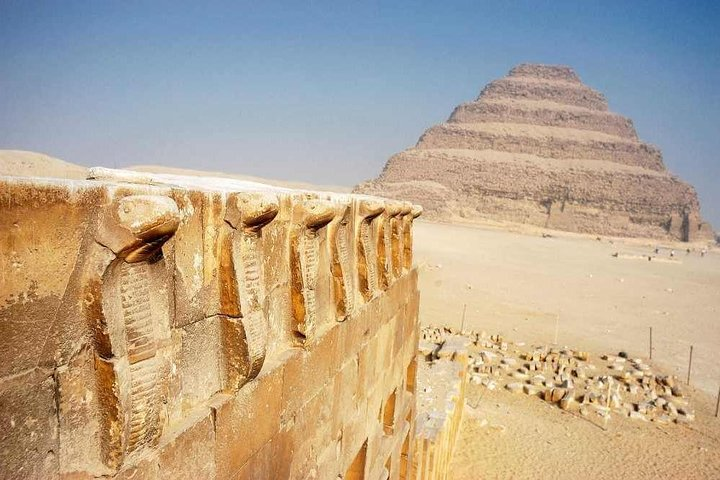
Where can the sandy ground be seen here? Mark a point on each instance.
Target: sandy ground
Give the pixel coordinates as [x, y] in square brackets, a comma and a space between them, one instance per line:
[528, 288]
[513, 436]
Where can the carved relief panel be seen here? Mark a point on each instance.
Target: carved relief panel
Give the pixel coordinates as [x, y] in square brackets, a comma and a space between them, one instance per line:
[398, 226]
[340, 236]
[309, 217]
[131, 324]
[245, 333]
[367, 257]
[385, 244]
[408, 218]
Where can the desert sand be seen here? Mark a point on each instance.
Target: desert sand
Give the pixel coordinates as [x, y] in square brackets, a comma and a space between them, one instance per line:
[520, 283]
[22, 163]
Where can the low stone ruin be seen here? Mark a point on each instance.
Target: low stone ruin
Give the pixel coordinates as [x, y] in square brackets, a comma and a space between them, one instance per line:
[573, 380]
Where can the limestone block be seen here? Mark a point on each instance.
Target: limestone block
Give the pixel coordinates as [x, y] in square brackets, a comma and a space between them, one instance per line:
[309, 432]
[263, 464]
[246, 421]
[145, 468]
[198, 363]
[189, 450]
[307, 371]
[80, 446]
[345, 396]
[328, 461]
[42, 226]
[29, 437]
[368, 365]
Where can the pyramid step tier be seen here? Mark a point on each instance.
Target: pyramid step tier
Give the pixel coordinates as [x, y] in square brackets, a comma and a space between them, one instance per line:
[563, 93]
[550, 142]
[598, 198]
[518, 176]
[544, 113]
[545, 72]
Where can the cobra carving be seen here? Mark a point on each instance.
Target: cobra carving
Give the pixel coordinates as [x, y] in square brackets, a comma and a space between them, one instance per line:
[245, 334]
[367, 254]
[132, 323]
[310, 216]
[340, 245]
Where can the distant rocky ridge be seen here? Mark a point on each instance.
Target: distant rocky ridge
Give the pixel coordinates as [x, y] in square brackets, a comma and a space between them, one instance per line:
[540, 147]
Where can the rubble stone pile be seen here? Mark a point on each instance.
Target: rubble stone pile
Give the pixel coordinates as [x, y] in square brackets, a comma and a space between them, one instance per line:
[540, 147]
[572, 379]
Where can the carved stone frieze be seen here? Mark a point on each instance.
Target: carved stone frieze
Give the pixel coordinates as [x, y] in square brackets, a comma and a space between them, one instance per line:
[415, 211]
[309, 217]
[245, 335]
[368, 211]
[131, 324]
[340, 236]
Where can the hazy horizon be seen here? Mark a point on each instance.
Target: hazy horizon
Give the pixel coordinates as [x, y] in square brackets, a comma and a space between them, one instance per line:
[326, 93]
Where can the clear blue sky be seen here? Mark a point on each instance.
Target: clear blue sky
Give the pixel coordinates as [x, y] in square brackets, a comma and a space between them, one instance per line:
[326, 91]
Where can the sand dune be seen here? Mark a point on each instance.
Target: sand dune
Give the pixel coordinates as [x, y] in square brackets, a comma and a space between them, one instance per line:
[21, 163]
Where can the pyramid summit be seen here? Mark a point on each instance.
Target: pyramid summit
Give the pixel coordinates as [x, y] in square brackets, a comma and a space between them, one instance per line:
[538, 146]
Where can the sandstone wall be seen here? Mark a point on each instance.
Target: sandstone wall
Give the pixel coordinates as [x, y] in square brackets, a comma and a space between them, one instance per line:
[157, 326]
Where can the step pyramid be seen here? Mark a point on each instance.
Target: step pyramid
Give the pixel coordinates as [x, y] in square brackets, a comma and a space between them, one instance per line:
[540, 147]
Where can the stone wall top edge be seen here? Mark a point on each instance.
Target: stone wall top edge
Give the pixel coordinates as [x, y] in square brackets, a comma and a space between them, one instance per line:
[118, 179]
[218, 184]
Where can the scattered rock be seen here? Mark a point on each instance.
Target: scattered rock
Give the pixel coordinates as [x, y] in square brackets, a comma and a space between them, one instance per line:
[563, 377]
[530, 389]
[568, 401]
[514, 387]
[638, 416]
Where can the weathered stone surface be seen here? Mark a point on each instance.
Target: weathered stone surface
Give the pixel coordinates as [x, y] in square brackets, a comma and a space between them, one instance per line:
[190, 451]
[29, 437]
[150, 325]
[539, 147]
